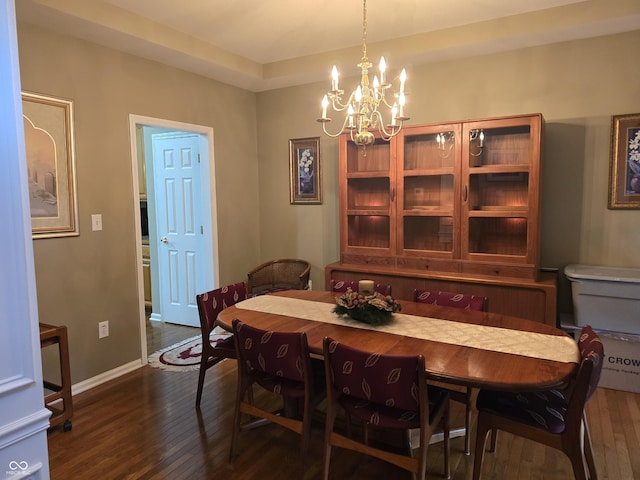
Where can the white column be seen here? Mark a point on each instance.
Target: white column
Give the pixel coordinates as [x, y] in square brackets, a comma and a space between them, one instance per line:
[23, 418]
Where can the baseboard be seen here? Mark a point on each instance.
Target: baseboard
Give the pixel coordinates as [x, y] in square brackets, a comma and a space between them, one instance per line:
[105, 377]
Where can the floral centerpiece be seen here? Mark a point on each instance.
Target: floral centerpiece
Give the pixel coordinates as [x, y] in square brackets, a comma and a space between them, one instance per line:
[373, 309]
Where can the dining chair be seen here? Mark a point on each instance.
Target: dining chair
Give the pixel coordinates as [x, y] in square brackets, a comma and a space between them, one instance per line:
[210, 304]
[450, 299]
[342, 286]
[387, 392]
[467, 302]
[278, 275]
[555, 418]
[279, 362]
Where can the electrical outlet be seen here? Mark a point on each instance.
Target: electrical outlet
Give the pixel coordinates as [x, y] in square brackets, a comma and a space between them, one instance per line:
[103, 329]
[310, 285]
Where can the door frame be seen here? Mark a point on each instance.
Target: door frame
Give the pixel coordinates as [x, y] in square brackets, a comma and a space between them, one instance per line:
[207, 175]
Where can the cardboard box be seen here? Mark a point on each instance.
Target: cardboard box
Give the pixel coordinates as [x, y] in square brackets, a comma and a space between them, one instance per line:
[621, 368]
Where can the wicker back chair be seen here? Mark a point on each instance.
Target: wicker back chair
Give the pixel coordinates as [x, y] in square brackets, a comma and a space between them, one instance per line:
[276, 275]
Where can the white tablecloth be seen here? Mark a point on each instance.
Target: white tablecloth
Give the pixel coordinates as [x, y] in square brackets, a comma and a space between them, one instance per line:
[517, 342]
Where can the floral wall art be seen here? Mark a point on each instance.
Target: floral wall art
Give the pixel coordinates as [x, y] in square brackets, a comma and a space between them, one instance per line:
[304, 163]
[624, 184]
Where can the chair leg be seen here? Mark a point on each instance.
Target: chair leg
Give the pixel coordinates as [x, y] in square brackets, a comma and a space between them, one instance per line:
[481, 436]
[494, 440]
[243, 386]
[577, 461]
[329, 422]
[467, 424]
[588, 449]
[203, 370]
[447, 445]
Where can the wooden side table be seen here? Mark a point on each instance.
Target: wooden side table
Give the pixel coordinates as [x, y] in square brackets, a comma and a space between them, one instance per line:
[61, 414]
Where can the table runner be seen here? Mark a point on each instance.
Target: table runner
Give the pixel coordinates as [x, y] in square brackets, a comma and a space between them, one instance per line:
[517, 342]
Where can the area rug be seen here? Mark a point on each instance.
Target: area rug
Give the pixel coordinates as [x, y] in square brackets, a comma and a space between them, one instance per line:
[183, 356]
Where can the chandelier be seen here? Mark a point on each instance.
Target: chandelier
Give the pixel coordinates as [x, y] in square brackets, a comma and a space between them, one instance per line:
[363, 116]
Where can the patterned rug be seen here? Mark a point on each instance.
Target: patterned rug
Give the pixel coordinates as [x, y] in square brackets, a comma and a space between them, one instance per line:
[183, 356]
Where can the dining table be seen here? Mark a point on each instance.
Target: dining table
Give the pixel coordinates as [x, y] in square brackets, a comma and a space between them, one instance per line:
[462, 347]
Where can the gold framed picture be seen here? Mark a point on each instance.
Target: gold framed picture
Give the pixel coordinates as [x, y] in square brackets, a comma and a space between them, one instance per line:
[304, 171]
[624, 173]
[49, 142]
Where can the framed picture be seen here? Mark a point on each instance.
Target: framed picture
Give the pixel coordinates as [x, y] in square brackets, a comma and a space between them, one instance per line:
[48, 133]
[624, 173]
[304, 171]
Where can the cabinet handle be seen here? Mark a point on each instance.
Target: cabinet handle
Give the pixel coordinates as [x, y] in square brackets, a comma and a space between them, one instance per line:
[465, 193]
[393, 194]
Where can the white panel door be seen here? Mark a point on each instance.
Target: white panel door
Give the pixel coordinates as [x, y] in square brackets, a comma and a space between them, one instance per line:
[178, 221]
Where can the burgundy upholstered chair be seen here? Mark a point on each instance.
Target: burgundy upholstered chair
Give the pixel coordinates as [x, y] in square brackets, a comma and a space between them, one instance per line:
[467, 302]
[384, 391]
[555, 418]
[210, 304]
[342, 286]
[280, 363]
[450, 299]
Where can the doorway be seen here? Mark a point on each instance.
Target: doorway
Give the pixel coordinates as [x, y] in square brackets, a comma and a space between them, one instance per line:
[174, 186]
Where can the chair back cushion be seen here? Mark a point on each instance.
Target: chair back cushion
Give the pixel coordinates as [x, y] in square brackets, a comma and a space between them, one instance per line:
[450, 299]
[591, 349]
[211, 303]
[390, 380]
[342, 286]
[280, 354]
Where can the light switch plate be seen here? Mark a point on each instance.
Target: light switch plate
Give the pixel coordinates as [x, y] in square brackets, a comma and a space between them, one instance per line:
[96, 222]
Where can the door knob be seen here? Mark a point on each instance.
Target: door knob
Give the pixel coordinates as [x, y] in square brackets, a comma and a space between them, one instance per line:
[164, 240]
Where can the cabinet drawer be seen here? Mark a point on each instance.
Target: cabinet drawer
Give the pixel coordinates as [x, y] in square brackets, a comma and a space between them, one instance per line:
[428, 264]
[500, 270]
[378, 261]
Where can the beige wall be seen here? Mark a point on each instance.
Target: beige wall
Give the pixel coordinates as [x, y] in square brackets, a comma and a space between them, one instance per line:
[576, 85]
[90, 278]
[82, 280]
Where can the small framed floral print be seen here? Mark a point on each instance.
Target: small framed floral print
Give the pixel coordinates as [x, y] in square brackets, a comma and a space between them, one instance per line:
[304, 171]
[624, 174]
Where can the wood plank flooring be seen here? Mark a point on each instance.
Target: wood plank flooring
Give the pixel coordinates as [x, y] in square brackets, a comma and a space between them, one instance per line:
[161, 334]
[144, 425]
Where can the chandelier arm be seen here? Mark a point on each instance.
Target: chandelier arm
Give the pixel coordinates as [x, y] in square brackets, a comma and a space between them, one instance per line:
[339, 132]
[384, 133]
[338, 106]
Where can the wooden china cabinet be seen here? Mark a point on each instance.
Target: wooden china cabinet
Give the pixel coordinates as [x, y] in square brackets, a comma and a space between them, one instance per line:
[450, 206]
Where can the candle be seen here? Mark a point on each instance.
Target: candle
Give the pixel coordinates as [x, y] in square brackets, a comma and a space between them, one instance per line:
[383, 68]
[365, 287]
[350, 113]
[403, 78]
[334, 79]
[325, 104]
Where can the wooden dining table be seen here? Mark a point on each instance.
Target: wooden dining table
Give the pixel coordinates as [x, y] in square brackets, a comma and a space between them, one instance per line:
[470, 348]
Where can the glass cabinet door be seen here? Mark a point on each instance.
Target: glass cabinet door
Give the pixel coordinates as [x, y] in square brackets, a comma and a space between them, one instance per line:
[428, 189]
[500, 205]
[367, 203]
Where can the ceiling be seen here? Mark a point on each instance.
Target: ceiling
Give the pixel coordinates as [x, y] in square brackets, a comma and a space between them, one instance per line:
[262, 45]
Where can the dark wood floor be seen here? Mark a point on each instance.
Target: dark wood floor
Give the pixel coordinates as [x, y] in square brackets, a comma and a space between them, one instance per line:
[144, 425]
[161, 335]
